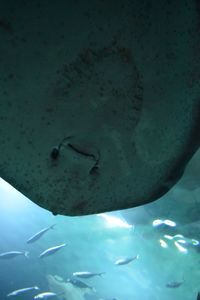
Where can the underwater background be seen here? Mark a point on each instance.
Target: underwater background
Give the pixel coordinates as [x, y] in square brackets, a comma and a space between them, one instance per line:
[162, 237]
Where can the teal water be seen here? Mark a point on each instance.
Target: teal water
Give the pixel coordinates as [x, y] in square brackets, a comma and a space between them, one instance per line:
[94, 243]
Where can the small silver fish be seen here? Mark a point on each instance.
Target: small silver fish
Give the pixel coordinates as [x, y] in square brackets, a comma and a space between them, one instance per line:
[36, 236]
[80, 284]
[47, 295]
[87, 274]
[174, 284]
[24, 290]
[12, 254]
[124, 261]
[51, 250]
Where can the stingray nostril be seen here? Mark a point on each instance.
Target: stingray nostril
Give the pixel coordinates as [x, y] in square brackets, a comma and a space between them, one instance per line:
[94, 170]
[55, 152]
[56, 149]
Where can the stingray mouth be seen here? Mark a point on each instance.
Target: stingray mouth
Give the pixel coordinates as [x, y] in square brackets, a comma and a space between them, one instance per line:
[86, 154]
[81, 151]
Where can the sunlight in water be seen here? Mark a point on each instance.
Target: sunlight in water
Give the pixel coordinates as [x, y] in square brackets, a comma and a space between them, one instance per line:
[163, 244]
[113, 221]
[180, 248]
[12, 199]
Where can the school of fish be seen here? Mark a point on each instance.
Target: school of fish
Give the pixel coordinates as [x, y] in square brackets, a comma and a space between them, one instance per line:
[74, 280]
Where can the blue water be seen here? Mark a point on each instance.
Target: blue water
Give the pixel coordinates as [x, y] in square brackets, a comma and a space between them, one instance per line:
[94, 244]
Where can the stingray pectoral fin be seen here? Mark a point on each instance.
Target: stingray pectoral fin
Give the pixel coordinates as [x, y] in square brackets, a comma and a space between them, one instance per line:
[131, 97]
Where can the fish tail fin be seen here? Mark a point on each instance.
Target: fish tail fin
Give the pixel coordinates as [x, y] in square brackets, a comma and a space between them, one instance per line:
[102, 273]
[36, 287]
[26, 254]
[183, 278]
[60, 294]
[52, 226]
[137, 256]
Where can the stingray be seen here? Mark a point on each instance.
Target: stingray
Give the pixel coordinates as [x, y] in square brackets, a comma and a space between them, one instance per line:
[99, 104]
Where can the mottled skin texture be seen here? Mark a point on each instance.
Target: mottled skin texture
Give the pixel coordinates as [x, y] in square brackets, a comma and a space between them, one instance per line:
[111, 86]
